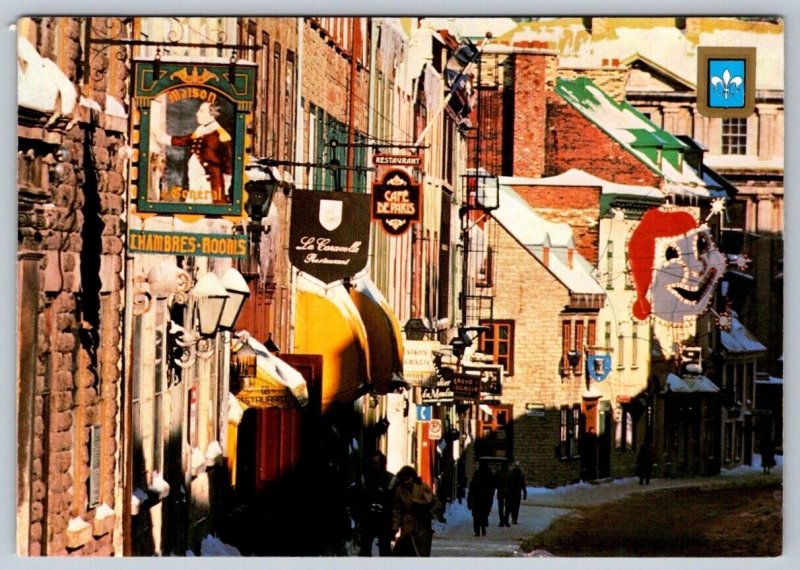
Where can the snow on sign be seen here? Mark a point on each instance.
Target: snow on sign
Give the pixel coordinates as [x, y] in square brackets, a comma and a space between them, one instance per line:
[435, 429]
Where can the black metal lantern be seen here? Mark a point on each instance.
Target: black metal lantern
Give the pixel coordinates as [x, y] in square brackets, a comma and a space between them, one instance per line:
[573, 357]
[244, 365]
[259, 197]
[260, 189]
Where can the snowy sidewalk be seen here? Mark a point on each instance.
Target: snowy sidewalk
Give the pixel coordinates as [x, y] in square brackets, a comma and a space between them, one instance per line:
[543, 506]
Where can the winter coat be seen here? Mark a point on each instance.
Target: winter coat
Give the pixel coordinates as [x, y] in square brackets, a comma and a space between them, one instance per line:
[516, 483]
[481, 492]
[377, 495]
[412, 516]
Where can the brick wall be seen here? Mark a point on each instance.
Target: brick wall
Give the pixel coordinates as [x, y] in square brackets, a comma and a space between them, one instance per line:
[579, 206]
[574, 142]
[326, 79]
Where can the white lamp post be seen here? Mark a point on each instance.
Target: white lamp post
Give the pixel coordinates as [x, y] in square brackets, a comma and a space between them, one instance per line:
[238, 292]
[211, 296]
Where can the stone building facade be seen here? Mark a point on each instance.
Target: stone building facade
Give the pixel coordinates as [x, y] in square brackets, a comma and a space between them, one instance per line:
[71, 156]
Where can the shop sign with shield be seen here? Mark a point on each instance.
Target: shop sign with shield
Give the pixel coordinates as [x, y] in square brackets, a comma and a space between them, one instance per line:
[329, 236]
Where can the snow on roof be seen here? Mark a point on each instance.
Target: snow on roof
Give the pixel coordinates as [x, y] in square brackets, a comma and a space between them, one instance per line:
[690, 384]
[472, 27]
[661, 42]
[739, 339]
[578, 177]
[535, 233]
[656, 148]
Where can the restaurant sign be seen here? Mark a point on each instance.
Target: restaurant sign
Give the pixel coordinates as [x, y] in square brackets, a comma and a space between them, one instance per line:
[191, 120]
[209, 245]
[418, 365]
[329, 234]
[440, 393]
[491, 379]
[467, 387]
[396, 198]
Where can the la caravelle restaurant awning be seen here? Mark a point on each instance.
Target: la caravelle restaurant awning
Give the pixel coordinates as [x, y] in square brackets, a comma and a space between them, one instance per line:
[357, 335]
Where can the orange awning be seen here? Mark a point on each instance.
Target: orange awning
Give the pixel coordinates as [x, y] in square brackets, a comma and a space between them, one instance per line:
[328, 323]
[384, 336]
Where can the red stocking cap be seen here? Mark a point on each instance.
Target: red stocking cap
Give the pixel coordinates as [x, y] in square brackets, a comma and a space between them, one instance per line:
[655, 223]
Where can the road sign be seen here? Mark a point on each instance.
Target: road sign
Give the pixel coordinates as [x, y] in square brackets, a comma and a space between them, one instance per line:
[435, 429]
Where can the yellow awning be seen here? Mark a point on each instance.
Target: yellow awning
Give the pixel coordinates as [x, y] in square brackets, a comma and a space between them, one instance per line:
[384, 337]
[328, 323]
[277, 384]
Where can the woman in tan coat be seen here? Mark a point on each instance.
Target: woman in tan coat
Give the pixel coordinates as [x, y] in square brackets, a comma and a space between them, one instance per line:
[412, 514]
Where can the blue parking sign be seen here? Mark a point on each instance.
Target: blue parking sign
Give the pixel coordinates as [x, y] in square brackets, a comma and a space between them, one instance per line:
[424, 413]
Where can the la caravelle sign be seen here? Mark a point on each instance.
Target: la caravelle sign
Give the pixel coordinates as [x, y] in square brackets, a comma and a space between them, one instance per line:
[396, 198]
[329, 234]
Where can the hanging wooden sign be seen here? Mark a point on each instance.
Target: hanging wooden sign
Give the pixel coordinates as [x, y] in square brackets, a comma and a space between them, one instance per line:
[329, 235]
[396, 197]
[191, 120]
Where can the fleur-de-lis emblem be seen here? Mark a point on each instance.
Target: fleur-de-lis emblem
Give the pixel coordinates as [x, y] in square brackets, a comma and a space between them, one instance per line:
[728, 83]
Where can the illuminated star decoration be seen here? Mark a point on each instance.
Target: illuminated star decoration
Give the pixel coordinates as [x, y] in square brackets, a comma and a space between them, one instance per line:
[717, 207]
[742, 261]
[724, 319]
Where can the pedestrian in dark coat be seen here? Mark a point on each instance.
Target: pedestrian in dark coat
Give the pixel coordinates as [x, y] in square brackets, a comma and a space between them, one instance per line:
[644, 462]
[501, 484]
[412, 515]
[376, 494]
[517, 490]
[480, 498]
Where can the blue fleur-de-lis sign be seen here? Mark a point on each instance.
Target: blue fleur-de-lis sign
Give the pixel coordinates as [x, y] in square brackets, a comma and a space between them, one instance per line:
[726, 83]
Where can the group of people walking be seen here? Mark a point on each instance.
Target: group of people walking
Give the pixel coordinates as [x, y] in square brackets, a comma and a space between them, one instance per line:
[398, 510]
[510, 488]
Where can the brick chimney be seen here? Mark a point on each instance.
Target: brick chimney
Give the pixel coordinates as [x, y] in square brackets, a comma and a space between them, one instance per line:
[534, 76]
[570, 254]
[546, 256]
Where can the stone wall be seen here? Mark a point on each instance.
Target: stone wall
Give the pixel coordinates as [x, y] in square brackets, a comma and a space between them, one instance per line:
[78, 236]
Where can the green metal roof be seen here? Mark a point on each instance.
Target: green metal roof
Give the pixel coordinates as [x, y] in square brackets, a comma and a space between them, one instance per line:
[621, 121]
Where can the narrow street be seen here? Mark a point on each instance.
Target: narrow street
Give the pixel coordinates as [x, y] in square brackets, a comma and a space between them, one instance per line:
[544, 506]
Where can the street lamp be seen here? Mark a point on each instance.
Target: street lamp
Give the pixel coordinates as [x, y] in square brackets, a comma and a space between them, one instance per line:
[416, 329]
[488, 194]
[238, 292]
[462, 340]
[245, 367]
[211, 296]
[260, 189]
